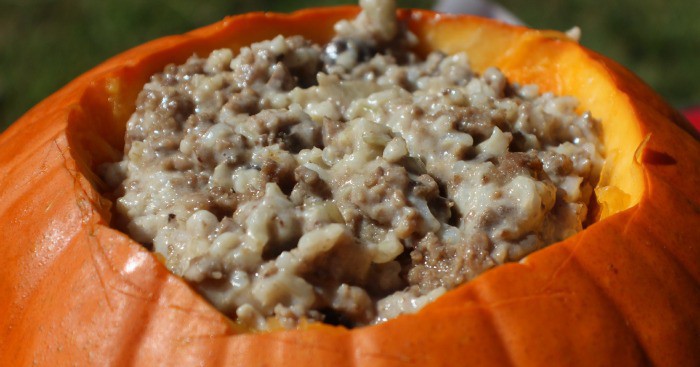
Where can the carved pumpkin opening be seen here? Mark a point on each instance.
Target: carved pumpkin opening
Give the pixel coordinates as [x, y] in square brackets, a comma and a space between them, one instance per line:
[109, 102]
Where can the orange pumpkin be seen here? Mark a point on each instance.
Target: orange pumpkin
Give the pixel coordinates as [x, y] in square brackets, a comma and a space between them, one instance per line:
[625, 291]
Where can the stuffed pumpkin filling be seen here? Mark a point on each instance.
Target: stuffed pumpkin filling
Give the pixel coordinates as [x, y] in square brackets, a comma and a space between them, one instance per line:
[350, 182]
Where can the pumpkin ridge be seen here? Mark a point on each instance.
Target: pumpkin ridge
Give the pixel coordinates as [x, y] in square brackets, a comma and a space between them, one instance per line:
[19, 187]
[577, 293]
[495, 326]
[625, 299]
[571, 245]
[35, 300]
[360, 354]
[618, 311]
[678, 270]
[18, 203]
[460, 307]
[677, 205]
[97, 268]
[136, 333]
[575, 264]
[278, 341]
[15, 176]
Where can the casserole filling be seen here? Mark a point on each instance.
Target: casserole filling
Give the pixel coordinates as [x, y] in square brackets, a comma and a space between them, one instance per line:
[350, 182]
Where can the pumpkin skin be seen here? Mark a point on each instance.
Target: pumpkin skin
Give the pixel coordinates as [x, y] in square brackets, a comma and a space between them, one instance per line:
[625, 291]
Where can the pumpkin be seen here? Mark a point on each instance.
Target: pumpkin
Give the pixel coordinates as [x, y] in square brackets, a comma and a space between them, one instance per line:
[625, 291]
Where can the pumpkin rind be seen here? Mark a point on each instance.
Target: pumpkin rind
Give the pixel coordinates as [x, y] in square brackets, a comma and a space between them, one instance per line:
[625, 291]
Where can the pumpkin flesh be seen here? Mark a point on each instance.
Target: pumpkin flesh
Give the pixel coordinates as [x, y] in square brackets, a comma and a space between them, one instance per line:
[624, 291]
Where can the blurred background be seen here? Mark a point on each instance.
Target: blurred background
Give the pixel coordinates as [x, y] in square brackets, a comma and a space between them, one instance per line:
[46, 43]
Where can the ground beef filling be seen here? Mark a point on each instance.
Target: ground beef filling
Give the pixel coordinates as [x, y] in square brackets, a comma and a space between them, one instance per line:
[350, 182]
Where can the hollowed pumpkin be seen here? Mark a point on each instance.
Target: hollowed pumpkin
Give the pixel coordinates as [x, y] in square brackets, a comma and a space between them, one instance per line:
[625, 291]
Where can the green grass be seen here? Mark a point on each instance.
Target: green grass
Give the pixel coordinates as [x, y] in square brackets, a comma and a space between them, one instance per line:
[46, 43]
